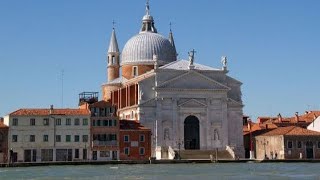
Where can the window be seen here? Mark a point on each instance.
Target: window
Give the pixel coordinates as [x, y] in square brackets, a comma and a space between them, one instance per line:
[85, 122]
[115, 122]
[99, 123]
[132, 115]
[289, 144]
[15, 122]
[32, 122]
[58, 138]
[68, 138]
[76, 153]
[76, 138]
[126, 150]
[319, 144]
[14, 138]
[105, 122]
[126, 138]
[135, 71]
[58, 122]
[93, 122]
[141, 138]
[113, 60]
[76, 122]
[84, 138]
[32, 138]
[68, 121]
[46, 121]
[141, 150]
[45, 138]
[299, 144]
[110, 122]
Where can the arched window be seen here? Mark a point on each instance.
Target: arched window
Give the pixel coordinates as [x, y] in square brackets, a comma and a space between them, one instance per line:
[135, 71]
[113, 60]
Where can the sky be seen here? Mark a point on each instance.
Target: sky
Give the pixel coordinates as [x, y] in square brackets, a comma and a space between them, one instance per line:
[272, 46]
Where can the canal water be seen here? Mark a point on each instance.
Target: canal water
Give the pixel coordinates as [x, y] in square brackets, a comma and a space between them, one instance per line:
[168, 171]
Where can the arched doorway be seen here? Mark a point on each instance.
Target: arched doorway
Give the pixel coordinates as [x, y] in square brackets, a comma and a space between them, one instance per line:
[191, 133]
[309, 150]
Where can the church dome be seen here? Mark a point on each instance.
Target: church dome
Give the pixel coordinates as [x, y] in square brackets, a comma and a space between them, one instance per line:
[141, 48]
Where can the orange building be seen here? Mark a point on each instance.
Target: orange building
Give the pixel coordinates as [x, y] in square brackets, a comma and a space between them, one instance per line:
[135, 141]
[104, 131]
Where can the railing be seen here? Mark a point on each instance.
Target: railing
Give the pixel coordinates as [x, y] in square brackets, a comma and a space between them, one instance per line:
[105, 143]
[171, 153]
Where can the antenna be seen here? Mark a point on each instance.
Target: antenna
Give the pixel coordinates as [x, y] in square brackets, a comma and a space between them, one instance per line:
[62, 76]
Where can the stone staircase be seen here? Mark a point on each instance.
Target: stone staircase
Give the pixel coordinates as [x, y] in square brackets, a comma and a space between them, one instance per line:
[203, 154]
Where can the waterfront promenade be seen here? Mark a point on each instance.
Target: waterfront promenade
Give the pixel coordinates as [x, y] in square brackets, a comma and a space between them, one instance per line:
[183, 161]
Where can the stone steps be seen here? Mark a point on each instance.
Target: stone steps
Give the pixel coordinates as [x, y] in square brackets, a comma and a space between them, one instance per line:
[203, 154]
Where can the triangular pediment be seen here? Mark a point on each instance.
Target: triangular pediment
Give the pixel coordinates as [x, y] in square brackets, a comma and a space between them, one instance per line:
[192, 80]
[192, 103]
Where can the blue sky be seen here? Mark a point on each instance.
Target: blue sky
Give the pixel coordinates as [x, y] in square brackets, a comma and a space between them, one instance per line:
[273, 47]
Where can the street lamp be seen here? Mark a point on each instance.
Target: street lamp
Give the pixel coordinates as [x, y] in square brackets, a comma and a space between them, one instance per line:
[179, 143]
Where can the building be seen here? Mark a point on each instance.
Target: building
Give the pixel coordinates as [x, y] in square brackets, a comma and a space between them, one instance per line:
[135, 141]
[41, 135]
[181, 101]
[250, 131]
[104, 131]
[3, 142]
[290, 142]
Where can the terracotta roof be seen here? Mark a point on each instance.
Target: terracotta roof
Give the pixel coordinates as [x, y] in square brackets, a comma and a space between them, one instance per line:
[291, 131]
[308, 116]
[46, 112]
[131, 125]
[258, 127]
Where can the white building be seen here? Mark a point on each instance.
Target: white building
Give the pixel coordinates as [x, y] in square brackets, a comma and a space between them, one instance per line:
[40, 135]
[315, 125]
[185, 103]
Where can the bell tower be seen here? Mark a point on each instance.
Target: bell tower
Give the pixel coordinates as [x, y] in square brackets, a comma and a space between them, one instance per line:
[113, 57]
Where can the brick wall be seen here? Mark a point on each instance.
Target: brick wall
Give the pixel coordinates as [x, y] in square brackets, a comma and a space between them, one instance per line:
[127, 70]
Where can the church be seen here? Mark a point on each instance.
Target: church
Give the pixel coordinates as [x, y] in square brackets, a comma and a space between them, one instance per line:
[187, 105]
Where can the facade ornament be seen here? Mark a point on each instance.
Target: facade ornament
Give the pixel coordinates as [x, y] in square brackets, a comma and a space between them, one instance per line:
[166, 135]
[224, 62]
[147, 8]
[191, 58]
[216, 135]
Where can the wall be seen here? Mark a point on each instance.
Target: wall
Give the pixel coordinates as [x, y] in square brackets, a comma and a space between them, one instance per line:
[267, 144]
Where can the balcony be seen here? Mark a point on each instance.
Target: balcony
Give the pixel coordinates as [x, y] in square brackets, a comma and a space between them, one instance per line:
[105, 143]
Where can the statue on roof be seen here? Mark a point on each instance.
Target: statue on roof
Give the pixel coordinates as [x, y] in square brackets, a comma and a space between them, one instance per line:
[191, 57]
[224, 62]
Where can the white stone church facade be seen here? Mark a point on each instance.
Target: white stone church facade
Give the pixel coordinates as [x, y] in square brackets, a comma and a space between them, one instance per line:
[182, 102]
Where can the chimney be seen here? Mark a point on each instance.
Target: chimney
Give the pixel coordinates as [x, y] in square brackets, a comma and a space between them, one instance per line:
[279, 117]
[1, 120]
[51, 109]
[297, 116]
[314, 116]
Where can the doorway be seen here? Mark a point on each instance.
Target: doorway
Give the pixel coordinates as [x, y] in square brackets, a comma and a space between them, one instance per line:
[191, 133]
[309, 150]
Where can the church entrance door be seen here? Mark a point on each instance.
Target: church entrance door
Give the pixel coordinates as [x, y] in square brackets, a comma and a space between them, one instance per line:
[191, 133]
